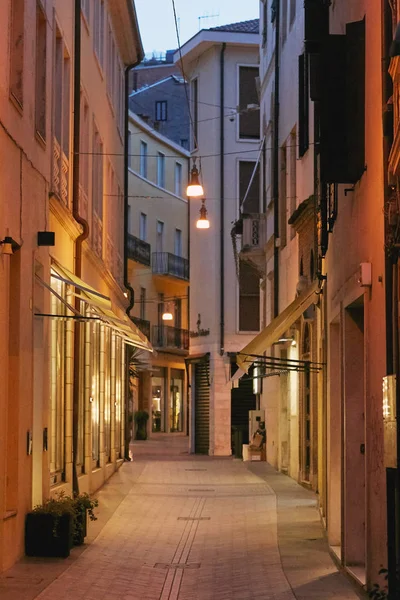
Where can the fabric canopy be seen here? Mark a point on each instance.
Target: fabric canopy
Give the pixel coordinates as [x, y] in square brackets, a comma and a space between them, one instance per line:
[101, 307]
[276, 328]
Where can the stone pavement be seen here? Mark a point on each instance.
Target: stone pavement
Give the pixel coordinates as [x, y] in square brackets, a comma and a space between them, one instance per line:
[180, 527]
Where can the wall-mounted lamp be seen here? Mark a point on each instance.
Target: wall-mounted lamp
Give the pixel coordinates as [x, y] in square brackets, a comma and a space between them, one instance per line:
[194, 189]
[203, 222]
[9, 246]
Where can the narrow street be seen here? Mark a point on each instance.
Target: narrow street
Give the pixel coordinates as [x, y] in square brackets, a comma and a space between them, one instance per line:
[173, 526]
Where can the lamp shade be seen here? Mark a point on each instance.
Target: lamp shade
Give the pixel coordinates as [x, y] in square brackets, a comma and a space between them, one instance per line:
[203, 222]
[194, 189]
[167, 315]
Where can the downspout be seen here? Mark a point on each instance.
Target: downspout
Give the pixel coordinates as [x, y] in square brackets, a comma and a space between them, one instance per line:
[222, 201]
[131, 293]
[276, 163]
[80, 239]
[391, 312]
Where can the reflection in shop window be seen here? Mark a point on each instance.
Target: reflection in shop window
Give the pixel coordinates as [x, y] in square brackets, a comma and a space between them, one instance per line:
[108, 390]
[57, 401]
[158, 395]
[176, 400]
[119, 392]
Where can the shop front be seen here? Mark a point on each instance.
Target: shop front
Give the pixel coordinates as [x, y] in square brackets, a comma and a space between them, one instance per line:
[168, 395]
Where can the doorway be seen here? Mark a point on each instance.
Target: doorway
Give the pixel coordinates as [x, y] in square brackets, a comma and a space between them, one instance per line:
[354, 502]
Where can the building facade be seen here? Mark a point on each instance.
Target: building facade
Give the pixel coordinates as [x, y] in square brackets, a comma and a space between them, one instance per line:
[62, 295]
[159, 272]
[221, 67]
[321, 235]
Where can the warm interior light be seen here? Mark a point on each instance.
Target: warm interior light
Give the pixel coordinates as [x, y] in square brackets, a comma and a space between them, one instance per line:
[194, 189]
[203, 222]
[167, 316]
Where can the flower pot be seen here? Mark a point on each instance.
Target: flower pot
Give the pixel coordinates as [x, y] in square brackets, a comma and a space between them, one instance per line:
[47, 534]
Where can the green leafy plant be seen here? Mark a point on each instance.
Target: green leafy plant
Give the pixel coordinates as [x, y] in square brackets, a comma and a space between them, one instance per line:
[57, 506]
[141, 417]
[379, 592]
[83, 505]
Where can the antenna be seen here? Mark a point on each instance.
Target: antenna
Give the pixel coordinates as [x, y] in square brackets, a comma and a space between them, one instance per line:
[208, 16]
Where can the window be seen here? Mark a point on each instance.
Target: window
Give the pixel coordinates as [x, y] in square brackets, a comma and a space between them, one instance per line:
[265, 24]
[143, 159]
[57, 382]
[61, 119]
[143, 227]
[292, 178]
[284, 20]
[184, 142]
[98, 30]
[303, 105]
[85, 4]
[40, 86]
[111, 57]
[17, 50]
[292, 12]
[119, 394]
[161, 170]
[97, 193]
[178, 242]
[273, 10]
[160, 236]
[195, 111]
[176, 400]
[249, 120]
[96, 347]
[143, 303]
[252, 202]
[283, 197]
[108, 391]
[84, 146]
[249, 297]
[178, 179]
[161, 110]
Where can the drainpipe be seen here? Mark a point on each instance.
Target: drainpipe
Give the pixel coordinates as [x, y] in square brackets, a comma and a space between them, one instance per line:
[222, 202]
[391, 305]
[131, 293]
[80, 239]
[276, 162]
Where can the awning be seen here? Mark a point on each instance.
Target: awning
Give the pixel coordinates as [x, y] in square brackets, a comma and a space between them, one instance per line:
[100, 308]
[276, 328]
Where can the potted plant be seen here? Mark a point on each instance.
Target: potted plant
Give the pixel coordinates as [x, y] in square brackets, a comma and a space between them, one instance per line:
[49, 527]
[83, 505]
[141, 417]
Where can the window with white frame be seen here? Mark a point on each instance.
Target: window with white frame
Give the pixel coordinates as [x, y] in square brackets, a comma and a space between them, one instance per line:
[143, 159]
[98, 30]
[17, 50]
[178, 179]
[178, 242]
[292, 11]
[161, 110]
[84, 145]
[249, 297]
[161, 170]
[143, 227]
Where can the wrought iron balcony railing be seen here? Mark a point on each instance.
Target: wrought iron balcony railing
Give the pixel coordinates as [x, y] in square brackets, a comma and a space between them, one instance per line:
[254, 236]
[143, 325]
[139, 250]
[165, 336]
[165, 263]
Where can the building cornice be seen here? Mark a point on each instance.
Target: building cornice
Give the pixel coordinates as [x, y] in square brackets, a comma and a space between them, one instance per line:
[64, 217]
[126, 27]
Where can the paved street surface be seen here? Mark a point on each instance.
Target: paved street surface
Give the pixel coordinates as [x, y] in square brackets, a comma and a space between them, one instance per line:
[178, 527]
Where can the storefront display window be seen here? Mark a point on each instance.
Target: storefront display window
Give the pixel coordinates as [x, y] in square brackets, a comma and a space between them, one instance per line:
[158, 399]
[176, 400]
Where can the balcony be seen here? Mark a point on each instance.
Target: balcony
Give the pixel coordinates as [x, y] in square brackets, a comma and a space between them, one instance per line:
[254, 238]
[138, 250]
[143, 326]
[170, 337]
[165, 263]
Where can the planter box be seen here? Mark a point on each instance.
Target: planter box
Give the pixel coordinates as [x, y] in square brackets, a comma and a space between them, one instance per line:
[47, 535]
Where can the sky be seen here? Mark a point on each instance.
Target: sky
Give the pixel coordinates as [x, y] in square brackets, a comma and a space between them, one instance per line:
[156, 19]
